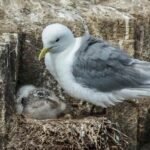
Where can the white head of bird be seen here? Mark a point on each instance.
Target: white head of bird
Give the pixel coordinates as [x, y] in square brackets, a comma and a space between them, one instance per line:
[56, 38]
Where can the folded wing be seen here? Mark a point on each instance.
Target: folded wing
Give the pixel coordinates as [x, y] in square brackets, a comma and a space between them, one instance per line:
[102, 67]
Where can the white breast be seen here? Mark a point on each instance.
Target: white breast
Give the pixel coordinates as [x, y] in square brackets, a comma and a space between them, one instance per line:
[49, 63]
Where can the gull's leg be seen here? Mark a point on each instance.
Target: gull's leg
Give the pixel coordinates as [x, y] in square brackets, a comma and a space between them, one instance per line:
[133, 102]
[92, 109]
[104, 111]
[92, 113]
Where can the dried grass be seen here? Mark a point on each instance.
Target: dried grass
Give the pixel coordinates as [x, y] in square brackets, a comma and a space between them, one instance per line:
[87, 133]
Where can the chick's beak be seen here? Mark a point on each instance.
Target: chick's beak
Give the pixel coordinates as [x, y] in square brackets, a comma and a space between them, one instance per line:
[43, 53]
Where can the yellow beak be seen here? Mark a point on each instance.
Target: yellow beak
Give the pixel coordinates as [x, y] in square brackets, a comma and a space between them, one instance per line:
[43, 53]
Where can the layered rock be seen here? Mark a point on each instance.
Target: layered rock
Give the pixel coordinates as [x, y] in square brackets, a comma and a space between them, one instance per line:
[9, 52]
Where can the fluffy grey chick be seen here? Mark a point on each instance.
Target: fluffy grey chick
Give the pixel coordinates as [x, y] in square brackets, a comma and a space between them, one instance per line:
[40, 103]
[22, 93]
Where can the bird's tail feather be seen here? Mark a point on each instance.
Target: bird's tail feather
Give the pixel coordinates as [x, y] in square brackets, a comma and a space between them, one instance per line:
[134, 93]
[143, 67]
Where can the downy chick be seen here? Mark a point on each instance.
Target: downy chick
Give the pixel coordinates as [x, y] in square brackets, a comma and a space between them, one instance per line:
[39, 103]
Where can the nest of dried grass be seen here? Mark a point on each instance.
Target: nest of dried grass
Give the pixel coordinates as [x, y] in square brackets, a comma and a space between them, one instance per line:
[88, 133]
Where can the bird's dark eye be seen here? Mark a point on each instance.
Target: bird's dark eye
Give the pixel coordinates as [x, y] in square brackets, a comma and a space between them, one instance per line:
[41, 94]
[57, 39]
[23, 101]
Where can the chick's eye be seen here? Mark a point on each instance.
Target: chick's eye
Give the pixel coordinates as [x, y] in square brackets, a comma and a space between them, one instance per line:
[23, 101]
[57, 39]
[41, 94]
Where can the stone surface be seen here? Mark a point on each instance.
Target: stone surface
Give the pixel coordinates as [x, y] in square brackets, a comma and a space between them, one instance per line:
[126, 115]
[9, 48]
[3, 54]
[144, 123]
[124, 23]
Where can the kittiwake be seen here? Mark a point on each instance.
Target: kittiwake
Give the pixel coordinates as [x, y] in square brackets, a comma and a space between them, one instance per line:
[91, 69]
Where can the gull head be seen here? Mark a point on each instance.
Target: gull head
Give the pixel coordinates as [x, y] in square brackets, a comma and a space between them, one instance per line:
[56, 38]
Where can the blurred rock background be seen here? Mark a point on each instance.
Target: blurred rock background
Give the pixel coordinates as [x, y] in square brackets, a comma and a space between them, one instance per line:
[125, 23]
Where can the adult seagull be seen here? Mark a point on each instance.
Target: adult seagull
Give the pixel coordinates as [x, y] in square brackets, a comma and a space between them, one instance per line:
[92, 70]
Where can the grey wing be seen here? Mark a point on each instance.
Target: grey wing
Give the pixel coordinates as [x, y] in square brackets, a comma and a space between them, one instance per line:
[104, 68]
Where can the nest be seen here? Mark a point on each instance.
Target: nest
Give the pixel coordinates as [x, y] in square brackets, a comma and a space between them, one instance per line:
[88, 133]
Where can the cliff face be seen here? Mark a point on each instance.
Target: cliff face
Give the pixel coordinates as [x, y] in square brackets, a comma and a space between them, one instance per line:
[125, 23]
[9, 52]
